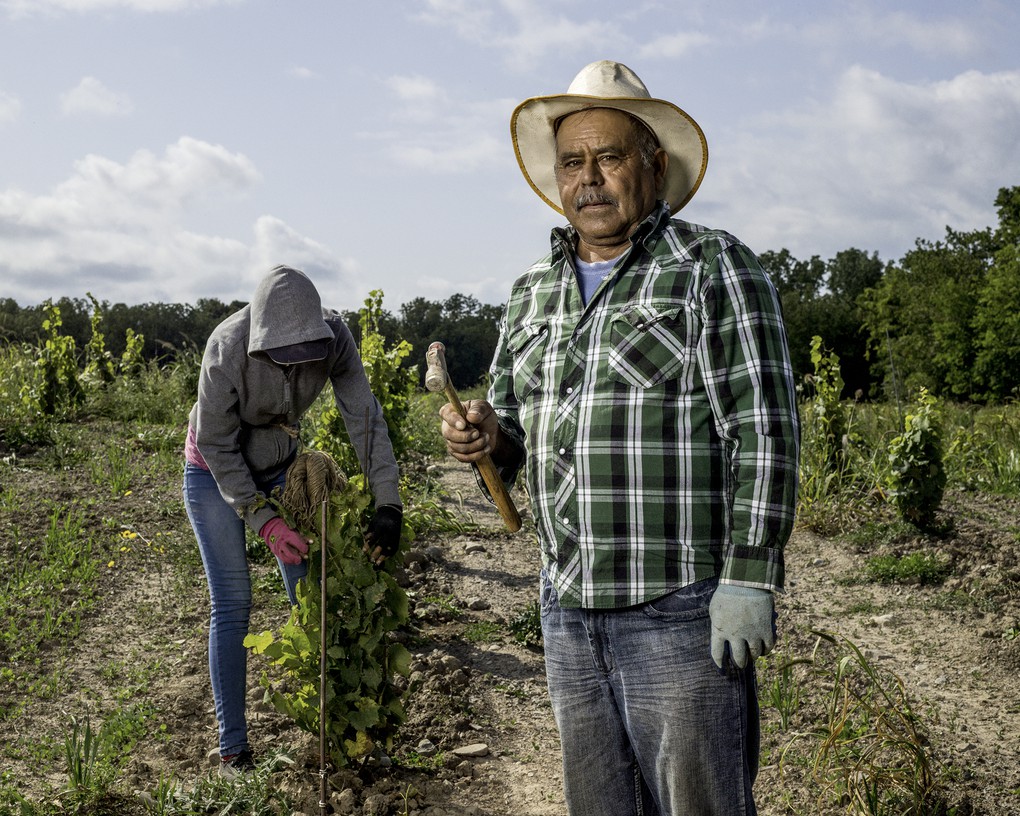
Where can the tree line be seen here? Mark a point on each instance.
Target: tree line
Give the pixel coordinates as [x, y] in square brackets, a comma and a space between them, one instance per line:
[946, 317]
[173, 330]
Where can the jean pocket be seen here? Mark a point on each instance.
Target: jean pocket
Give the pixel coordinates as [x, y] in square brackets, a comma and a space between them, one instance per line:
[547, 598]
[688, 603]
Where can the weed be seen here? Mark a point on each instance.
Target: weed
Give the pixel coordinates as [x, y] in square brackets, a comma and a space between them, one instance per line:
[983, 448]
[515, 691]
[483, 632]
[780, 686]
[918, 478]
[872, 751]
[526, 626]
[444, 603]
[428, 517]
[914, 568]
[957, 599]
[408, 796]
[252, 794]
[49, 586]
[89, 774]
[878, 533]
[113, 470]
[413, 759]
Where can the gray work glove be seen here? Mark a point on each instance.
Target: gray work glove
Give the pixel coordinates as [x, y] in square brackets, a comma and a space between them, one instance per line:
[743, 623]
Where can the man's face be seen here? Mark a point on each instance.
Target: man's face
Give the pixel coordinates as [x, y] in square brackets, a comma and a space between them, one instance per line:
[605, 188]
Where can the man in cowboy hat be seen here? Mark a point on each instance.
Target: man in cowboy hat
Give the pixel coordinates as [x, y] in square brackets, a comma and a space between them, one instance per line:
[642, 377]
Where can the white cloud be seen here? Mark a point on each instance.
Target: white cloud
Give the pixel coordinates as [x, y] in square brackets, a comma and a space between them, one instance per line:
[878, 164]
[925, 35]
[470, 19]
[451, 134]
[418, 99]
[27, 8]
[463, 156]
[830, 33]
[150, 186]
[300, 72]
[672, 46]
[416, 88]
[276, 243]
[10, 107]
[90, 96]
[119, 230]
[524, 30]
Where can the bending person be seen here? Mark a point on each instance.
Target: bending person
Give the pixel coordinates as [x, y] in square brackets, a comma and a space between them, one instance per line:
[262, 369]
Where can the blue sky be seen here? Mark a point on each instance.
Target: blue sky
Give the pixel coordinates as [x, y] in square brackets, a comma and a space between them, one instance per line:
[171, 150]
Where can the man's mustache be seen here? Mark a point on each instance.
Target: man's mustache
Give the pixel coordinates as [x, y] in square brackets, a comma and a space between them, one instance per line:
[585, 199]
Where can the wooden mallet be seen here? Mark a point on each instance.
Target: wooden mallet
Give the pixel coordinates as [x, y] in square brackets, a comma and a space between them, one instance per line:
[437, 379]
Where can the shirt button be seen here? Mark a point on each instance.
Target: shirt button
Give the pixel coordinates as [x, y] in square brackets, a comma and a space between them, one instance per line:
[562, 451]
[570, 389]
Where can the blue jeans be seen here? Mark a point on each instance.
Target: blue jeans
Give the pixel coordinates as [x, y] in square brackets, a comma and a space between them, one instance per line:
[220, 534]
[648, 724]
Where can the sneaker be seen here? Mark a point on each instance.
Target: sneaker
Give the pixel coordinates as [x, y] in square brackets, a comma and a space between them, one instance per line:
[236, 765]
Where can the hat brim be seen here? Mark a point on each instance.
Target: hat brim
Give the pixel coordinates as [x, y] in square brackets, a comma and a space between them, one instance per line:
[532, 128]
[308, 352]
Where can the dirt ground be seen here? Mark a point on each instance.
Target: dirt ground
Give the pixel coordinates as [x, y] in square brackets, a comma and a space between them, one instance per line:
[480, 739]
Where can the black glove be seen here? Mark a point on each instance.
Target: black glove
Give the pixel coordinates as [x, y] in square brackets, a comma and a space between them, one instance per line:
[384, 530]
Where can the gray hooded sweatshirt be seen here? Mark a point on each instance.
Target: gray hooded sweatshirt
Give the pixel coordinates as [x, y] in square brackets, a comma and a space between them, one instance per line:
[249, 408]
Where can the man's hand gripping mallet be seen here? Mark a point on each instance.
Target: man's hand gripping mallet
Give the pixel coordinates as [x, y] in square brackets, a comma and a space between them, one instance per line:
[437, 379]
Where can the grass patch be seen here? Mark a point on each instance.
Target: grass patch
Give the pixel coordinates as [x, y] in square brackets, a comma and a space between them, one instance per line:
[526, 626]
[483, 632]
[48, 586]
[920, 568]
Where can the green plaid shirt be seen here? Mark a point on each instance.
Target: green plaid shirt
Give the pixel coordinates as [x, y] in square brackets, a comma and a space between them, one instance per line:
[658, 425]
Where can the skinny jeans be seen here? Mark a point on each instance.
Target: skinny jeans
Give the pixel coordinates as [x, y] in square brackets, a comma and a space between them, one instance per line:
[649, 725]
[221, 541]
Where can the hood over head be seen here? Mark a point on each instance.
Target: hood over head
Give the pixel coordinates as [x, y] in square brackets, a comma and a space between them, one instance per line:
[287, 323]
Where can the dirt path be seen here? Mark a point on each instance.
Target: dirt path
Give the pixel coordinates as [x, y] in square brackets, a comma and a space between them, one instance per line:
[480, 738]
[950, 645]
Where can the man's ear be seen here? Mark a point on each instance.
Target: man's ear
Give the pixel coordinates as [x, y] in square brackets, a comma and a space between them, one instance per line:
[660, 164]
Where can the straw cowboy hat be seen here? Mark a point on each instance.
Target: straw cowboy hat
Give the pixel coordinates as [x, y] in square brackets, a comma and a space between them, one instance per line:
[608, 84]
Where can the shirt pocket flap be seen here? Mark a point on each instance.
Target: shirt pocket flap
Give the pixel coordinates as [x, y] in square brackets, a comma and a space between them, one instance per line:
[649, 344]
[526, 344]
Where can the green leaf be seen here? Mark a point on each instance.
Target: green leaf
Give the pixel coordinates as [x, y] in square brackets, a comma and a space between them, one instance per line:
[258, 643]
[399, 659]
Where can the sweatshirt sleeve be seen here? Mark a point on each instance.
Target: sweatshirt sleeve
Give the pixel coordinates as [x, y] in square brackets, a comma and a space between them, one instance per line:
[364, 420]
[217, 420]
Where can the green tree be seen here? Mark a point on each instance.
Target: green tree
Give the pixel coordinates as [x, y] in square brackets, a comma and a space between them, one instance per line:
[944, 318]
[820, 298]
[997, 317]
[919, 318]
[467, 328]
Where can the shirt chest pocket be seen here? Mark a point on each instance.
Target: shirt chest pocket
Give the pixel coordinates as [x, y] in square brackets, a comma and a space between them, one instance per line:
[650, 345]
[527, 344]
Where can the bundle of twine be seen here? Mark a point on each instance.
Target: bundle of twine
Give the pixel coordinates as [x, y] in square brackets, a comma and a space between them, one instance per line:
[311, 479]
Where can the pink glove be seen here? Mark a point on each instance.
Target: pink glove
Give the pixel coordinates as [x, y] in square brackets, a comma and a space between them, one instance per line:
[286, 544]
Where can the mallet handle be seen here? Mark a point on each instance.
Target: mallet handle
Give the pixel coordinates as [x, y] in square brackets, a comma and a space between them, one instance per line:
[437, 379]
